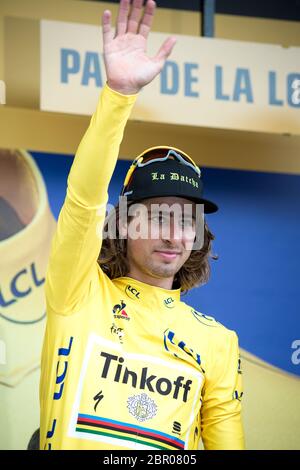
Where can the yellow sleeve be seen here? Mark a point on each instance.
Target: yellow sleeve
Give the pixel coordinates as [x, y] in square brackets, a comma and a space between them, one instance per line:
[221, 424]
[76, 243]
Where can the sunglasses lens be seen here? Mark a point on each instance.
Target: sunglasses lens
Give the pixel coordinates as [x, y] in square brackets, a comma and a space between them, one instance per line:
[153, 155]
[161, 153]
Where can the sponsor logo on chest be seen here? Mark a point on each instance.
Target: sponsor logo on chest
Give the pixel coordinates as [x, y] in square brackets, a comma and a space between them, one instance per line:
[132, 292]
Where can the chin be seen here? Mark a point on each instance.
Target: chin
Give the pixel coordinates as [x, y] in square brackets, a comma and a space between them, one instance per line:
[163, 272]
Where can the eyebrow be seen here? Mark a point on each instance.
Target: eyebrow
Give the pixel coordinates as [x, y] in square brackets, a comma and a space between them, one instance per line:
[185, 216]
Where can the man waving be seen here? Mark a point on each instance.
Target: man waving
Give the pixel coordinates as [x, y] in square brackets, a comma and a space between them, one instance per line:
[126, 364]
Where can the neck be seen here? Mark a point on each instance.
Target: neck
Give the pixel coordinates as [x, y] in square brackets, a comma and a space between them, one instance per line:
[163, 282]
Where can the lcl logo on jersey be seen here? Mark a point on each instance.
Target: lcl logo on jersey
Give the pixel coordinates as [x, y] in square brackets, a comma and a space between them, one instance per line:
[169, 302]
[132, 292]
[174, 345]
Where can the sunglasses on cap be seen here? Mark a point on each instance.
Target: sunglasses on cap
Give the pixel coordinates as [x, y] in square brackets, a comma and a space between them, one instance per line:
[159, 154]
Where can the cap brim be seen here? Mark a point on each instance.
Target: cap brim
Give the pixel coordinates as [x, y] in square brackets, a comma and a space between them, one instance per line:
[209, 206]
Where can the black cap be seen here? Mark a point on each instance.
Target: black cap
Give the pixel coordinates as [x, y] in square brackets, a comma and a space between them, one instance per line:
[166, 178]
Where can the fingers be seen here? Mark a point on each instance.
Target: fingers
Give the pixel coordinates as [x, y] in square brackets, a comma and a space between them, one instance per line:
[106, 27]
[130, 23]
[134, 18]
[123, 17]
[147, 19]
[165, 50]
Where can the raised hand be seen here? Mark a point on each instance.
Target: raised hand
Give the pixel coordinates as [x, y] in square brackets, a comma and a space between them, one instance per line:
[128, 67]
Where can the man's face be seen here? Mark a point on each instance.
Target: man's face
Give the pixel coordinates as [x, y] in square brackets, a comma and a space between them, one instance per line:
[160, 236]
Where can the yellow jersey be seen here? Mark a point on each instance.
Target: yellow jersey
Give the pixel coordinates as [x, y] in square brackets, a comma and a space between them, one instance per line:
[126, 365]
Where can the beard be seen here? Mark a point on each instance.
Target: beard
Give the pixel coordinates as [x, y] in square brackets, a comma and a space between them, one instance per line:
[160, 269]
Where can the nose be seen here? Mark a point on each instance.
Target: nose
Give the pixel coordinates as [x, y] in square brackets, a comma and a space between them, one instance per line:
[177, 235]
[172, 231]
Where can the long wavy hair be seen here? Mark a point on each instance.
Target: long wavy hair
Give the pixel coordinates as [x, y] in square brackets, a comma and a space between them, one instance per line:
[114, 262]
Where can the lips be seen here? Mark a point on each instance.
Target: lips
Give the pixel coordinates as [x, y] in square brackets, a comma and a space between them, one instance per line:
[167, 255]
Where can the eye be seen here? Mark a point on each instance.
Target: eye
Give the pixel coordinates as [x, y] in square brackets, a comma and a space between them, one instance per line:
[187, 223]
[160, 219]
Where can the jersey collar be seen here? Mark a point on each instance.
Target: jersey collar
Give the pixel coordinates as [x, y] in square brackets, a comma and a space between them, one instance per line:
[146, 293]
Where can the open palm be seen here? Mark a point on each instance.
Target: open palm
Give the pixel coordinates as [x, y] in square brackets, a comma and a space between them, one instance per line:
[128, 67]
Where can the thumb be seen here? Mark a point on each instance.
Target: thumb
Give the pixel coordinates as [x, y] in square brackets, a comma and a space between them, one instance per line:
[165, 50]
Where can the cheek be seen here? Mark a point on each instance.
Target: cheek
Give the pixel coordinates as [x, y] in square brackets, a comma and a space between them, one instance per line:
[188, 241]
[137, 249]
[131, 248]
[185, 256]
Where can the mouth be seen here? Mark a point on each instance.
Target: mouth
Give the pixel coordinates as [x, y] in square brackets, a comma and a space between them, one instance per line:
[167, 255]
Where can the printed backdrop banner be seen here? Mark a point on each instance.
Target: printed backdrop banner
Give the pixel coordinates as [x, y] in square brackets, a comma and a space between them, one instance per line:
[26, 229]
[206, 82]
